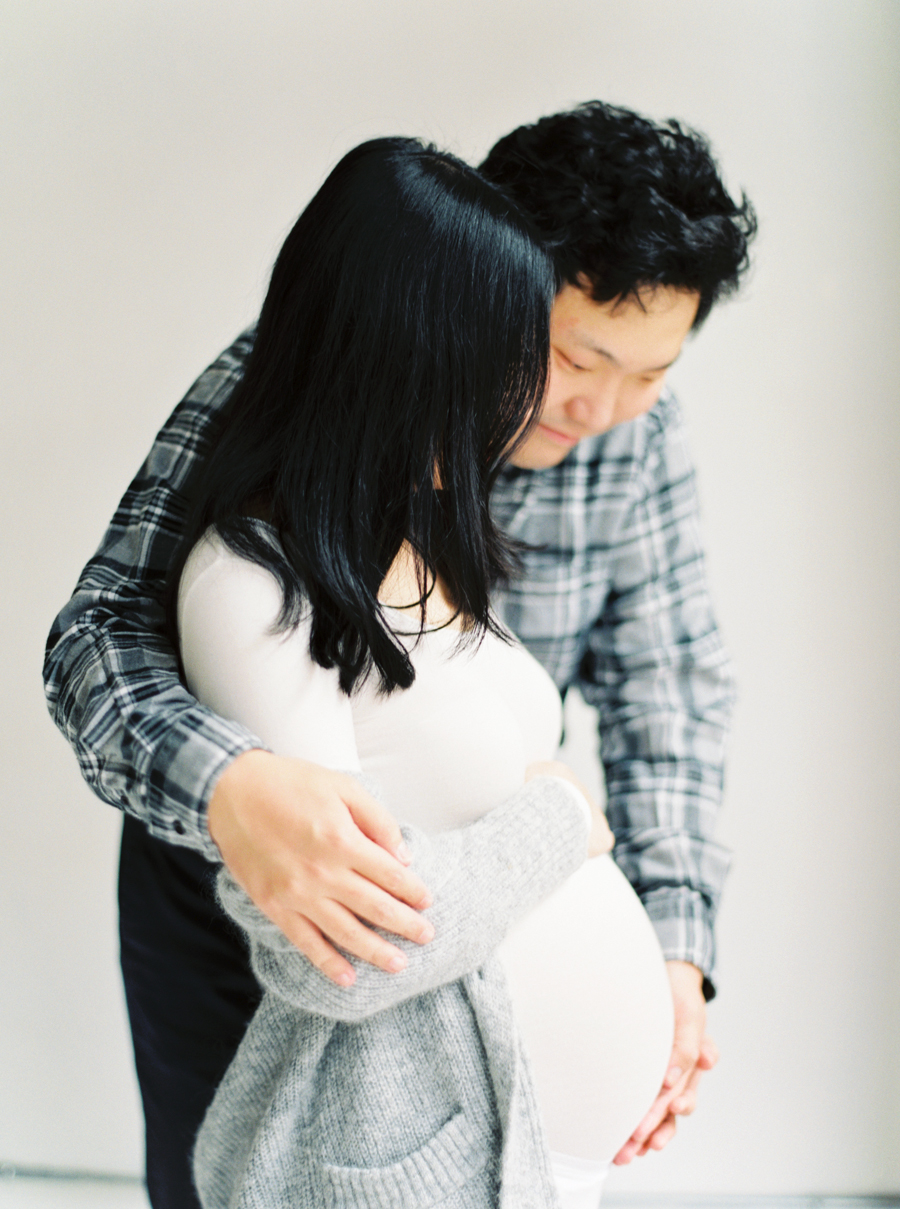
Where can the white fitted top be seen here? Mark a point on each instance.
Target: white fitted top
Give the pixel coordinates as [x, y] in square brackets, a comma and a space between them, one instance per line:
[445, 751]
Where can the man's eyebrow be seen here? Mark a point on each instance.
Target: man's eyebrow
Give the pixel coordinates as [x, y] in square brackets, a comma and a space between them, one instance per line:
[595, 348]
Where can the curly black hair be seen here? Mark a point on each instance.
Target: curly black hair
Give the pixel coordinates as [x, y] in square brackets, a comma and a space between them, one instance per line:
[626, 203]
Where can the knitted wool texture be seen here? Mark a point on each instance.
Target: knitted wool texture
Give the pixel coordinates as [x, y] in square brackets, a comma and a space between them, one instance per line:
[405, 1090]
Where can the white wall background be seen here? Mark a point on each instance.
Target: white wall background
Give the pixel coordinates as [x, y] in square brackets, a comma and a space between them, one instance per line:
[154, 155]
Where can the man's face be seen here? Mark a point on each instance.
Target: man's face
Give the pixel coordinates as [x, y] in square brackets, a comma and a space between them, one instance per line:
[608, 362]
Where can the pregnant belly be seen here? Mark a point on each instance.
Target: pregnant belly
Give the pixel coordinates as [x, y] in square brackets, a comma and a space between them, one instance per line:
[593, 1005]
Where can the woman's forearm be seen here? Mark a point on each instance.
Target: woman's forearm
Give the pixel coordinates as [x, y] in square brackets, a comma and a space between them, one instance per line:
[482, 877]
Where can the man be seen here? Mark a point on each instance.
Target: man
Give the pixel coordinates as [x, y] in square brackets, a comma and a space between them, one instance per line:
[613, 599]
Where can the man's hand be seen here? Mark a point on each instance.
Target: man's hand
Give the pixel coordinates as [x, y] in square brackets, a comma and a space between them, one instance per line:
[317, 854]
[692, 1054]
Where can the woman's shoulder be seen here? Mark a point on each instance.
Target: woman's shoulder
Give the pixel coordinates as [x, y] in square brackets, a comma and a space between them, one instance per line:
[222, 585]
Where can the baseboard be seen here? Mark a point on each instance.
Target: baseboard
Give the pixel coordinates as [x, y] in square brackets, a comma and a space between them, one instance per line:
[620, 1200]
[19, 1171]
[714, 1201]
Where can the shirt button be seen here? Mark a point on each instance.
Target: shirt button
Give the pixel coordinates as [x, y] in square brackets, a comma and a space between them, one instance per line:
[178, 827]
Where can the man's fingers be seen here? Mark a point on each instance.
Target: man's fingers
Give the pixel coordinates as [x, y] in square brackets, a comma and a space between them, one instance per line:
[651, 1122]
[686, 982]
[685, 1101]
[693, 1053]
[660, 1137]
[343, 928]
[376, 866]
[626, 1154]
[338, 925]
[685, 1053]
[653, 1118]
[684, 1105]
[374, 821]
[629, 1151]
[305, 936]
[313, 849]
[374, 906]
[382, 829]
[709, 1054]
[675, 1076]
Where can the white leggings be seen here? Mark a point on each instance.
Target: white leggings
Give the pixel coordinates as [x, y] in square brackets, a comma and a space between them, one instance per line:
[579, 1182]
[593, 1005]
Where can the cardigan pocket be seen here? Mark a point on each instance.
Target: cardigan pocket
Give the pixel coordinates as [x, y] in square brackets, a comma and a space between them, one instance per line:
[448, 1161]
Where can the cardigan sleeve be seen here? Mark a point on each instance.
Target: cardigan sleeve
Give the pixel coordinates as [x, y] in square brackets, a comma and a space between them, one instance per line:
[483, 878]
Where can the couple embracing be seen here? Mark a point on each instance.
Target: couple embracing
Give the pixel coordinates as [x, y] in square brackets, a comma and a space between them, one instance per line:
[323, 645]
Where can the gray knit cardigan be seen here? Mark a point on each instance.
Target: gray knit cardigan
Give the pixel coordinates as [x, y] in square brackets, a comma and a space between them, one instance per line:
[405, 1090]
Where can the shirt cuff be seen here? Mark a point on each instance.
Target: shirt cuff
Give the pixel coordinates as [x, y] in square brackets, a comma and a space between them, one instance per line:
[683, 923]
[184, 771]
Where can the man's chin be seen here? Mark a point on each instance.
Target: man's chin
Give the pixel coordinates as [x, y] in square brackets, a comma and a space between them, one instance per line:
[541, 451]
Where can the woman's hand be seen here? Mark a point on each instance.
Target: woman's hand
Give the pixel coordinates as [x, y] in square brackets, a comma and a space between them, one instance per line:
[601, 839]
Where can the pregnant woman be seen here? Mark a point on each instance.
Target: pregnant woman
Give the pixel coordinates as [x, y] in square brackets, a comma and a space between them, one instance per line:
[333, 596]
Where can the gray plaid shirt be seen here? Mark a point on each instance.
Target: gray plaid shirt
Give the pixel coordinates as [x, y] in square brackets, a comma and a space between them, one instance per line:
[614, 599]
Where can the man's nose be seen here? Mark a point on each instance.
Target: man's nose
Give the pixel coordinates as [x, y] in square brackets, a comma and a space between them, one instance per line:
[595, 409]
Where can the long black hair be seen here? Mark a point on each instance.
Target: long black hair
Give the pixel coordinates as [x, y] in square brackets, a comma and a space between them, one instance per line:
[401, 353]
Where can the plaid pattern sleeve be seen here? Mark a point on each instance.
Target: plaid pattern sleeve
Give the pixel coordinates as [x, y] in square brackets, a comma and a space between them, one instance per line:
[656, 669]
[614, 599]
[111, 676]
